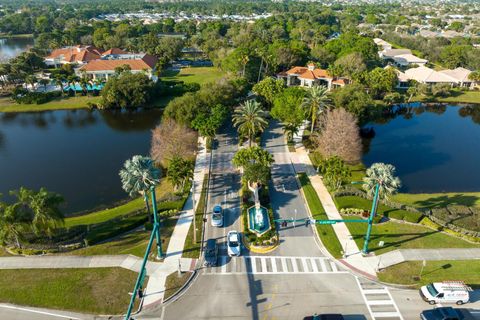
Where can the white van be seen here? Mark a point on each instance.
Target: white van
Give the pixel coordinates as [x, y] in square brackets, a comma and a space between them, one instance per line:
[446, 292]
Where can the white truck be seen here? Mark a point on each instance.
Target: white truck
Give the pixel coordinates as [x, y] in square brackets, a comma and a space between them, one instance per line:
[446, 292]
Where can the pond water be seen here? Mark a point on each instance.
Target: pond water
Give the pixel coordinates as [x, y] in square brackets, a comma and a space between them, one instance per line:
[11, 47]
[434, 148]
[76, 153]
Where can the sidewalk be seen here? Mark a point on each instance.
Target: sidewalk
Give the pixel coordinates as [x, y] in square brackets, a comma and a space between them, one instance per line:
[353, 256]
[155, 289]
[401, 255]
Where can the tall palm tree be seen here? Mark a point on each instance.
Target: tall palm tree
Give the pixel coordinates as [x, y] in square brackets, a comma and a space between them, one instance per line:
[316, 102]
[250, 119]
[12, 225]
[47, 215]
[384, 175]
[138, 175]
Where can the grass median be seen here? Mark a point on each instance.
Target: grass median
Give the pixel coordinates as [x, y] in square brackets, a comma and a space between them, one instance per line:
[411, 273]
[327, 234]
[93, 290]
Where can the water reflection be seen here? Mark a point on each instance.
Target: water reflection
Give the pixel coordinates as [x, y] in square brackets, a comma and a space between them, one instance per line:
[74, 152]
[432, 146]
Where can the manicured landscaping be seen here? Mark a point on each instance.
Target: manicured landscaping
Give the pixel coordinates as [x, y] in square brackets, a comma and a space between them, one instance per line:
[162, 190]
[175, 283]
[93, 290]
[471, 96]
[397, 235]
[327, 234]
[79, 102]
[430, 200]
[434, 271]
[200, 75]
[191, 249]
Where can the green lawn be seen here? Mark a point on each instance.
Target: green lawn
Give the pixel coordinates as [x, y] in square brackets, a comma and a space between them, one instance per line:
[200, 75]
[404, 236]
[8, 105]
[175, 283]
[456, 97]
[163, 189]
[361, 203]
[134, 242]
[327, 235]
[96, 290]
[429, 200]
[434, 271]
[191, 249]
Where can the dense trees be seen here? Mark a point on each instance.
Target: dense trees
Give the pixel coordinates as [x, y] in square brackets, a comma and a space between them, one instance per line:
[354, 99]
[268, 89]
[340, 136]
[126, 90]
[287, 108]
[334, 172]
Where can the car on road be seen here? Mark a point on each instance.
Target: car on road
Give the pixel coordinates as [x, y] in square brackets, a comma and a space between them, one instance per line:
[217, 216]
[233, 243]
[330, 316]
[210, 253]
[445, 313]
[446, 292]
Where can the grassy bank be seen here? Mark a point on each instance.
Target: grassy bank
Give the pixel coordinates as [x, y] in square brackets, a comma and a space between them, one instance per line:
[434, 271]
[200, 75]
[79, 102]
[430, 200]
[191, 249]
[175, 283]
[327, 235]
[457, 96]
[97, 290]
[162, 190]
[396, 235]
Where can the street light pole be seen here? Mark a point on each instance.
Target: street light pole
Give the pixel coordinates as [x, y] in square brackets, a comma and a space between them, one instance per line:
[194, 213]
[370, 218]
[156, 223]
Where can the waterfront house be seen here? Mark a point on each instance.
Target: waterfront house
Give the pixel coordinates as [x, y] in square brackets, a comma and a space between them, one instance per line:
[311, 76]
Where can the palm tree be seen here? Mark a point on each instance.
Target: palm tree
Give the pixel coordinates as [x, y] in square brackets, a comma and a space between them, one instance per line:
[250, 119]
[12, 226]
[290, 129]
[84, 84]
[46, 212]
[316, 102]
[138, 176]
[59, 82]
[384, 175]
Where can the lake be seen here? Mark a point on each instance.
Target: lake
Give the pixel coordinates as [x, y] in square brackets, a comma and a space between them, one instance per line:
[77, 153]
[435, 149]
[11, 47]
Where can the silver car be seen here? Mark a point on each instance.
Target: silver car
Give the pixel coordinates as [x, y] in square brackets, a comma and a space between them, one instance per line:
[217, 216]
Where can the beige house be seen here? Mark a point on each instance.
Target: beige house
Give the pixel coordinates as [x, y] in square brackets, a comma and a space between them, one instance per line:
[456, 77]
[311, 76]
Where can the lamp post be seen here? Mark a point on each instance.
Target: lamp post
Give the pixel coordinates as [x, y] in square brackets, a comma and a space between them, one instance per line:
[156, 223]
[194, 213]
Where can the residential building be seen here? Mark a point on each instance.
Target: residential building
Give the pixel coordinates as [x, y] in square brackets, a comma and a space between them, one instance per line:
[74, 54]
[405, 60]
[390, 53]
[456, 77]
[311, 76]
[382, 43]
[461, 76]
[105, 67]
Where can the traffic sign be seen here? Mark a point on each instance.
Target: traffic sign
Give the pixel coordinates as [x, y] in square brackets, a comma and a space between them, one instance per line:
[326, 221]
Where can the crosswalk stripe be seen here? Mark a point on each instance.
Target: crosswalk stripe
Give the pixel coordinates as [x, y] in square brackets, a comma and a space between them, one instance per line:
[322, 265]
[263, 263]
[284, 265]
[385, 314]
[294, 265]
[305, 266]
[334, 266]
[375, 291]
[224, 264]
[314, 265]
[274, 264]
[379, 302]
[234, 265]
[254, 264]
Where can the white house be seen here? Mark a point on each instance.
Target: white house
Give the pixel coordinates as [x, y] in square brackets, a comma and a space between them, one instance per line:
[455, 77]
[405, 60]
[382, 43]
[310, 76]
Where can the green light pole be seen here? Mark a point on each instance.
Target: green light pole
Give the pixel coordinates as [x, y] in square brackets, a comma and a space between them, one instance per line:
[143, 272]
[370, 218]
[156, 223]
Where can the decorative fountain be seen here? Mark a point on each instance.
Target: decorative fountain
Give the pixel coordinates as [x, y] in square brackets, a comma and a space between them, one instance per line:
[258, 220]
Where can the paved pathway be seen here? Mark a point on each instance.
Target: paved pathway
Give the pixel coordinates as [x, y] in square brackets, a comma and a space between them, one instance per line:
[155, 289]
[398, 256]
[353, 256]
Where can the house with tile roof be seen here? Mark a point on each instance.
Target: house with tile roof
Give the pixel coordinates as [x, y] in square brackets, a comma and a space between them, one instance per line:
[73, 54]
[102, 69]
[456, 77]
[311, 76]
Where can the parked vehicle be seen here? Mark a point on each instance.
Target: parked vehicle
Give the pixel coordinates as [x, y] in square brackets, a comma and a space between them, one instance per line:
[330, 316]
[446, 313]
[233, 243]
[210, 253]
[217, 216]
[446, 292]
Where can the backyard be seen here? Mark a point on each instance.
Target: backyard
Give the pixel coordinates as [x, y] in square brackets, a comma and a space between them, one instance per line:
[8, 105]
[200, 75]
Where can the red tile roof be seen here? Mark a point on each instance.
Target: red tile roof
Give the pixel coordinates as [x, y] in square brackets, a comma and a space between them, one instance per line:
[305, 73]
[76, 54]
[114, 51]
[146, 63]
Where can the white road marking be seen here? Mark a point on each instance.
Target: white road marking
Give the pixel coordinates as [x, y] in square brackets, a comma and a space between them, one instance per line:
[284, 264]
[334, 266]
[39, 312]
[314, 265]
[274, 265]
[224, 264]
[294, 265]
[322, 265]
[253, 262]
[263, 263]
[305, 266]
